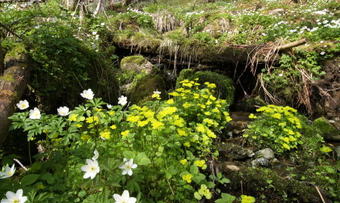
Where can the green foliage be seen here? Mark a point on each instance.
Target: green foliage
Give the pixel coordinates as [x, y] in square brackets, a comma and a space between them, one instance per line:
[278, 128]
[225, 88]
[171, 141]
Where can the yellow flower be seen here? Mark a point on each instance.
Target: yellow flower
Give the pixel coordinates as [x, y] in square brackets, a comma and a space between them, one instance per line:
[247, 199]
[200, 163]
[179, 122]
[276, 115]
[210, 85]
[133, 119]
[105, 135]
[113, 127]
[184, 162]
[125, 133]
[181, 132]
[111, 113]
[167, 111]
[187, 178]
[252, 116]
[156, 124]
[186, 105]
[175, 94]
[92, 119]
[170, 101]
[143, 123]
[73, 117]
[212, 98]
[284, 145]
[148, 114]
[211, 134]
[200, 128]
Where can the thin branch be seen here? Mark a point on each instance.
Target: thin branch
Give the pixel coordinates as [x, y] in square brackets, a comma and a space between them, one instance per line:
[292, 45]
[22, 166]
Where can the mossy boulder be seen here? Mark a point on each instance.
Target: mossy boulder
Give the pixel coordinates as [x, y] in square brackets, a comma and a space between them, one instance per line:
[225, 88]
[136, 63]
[144, 87]
[132, 70]
[326, 129]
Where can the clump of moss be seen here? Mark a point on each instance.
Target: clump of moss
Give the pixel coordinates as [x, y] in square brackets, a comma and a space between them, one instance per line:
[268, 184]
[326, 129]
[225, 88]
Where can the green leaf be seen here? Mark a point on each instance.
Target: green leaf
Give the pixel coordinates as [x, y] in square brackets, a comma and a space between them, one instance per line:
[29, 179]
[226, 198]
[142, 159]
[197, 196]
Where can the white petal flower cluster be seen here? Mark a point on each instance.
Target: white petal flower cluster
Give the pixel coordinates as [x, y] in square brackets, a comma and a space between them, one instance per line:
[122, 100]
[35, 113]
[23, 104]
[127, 167]
[7, 172]
[124, 198]
[63, 111]
[15, 197]
[87, 94]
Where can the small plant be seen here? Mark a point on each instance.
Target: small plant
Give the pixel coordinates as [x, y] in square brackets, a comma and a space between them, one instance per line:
[276, 127]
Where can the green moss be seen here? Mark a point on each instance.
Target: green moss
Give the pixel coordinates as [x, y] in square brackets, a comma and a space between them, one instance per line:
[325, 129]
[137, 59]
[225, 88]
[269, 184]
[7, 78]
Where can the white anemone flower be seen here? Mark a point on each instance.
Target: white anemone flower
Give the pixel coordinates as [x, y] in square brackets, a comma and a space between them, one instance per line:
[109, 106]
[124, 198]
[63, 111]
[122, 100]
[35, 114]
[23, 104]
[157, 92]
[7, 172]
[91, 168]
[15, 197]
[96, 155]
[87, 94]
[127, 167]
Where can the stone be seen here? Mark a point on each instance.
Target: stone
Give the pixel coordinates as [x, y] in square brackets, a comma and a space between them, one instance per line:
[136, 63]
[265, 153]
[230, 151]
[260, 162]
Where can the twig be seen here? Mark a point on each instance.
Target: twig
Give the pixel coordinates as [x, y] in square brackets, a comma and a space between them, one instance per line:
[317, 189]
[22, 166]
[292, 44]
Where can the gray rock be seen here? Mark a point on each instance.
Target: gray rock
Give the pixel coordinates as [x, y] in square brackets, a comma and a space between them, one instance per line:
[265, 153]
[260, 162]
[231, 151]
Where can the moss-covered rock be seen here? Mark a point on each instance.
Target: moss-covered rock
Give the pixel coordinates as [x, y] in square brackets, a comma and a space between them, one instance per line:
[144, 87]
[136, 63]
[326, 129]
[225, 88]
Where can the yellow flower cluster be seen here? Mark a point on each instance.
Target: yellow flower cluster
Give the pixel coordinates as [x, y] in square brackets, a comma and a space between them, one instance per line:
[276, 126]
